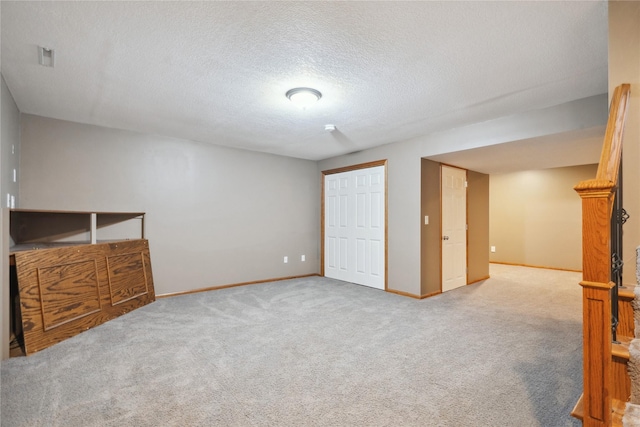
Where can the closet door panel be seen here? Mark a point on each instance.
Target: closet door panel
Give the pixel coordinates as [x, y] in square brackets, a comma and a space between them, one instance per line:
[68, 292]
[65, 291]
[126, 277]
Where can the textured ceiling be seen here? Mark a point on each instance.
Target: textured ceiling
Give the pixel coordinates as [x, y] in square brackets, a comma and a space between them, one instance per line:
[217, 72]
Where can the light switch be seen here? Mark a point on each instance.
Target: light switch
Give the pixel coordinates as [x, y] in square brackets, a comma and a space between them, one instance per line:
[426, 220]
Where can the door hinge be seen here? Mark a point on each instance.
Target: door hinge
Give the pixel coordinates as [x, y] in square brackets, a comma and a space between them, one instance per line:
[466, 227]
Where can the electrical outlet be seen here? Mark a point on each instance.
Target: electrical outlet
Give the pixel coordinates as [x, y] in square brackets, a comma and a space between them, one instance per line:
[303, 258]
[493, 248]
[286, 259]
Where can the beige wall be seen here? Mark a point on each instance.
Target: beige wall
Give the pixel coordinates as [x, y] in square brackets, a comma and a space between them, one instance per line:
[478, 220]
[536, 217]
[215, 215]
[624, 67]
[430, 255]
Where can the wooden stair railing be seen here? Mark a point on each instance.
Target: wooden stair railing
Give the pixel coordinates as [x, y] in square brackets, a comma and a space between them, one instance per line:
[597, 205]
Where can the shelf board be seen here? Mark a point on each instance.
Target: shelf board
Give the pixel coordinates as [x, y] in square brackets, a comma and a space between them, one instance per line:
[50, 245]
[49, 211]
[29, 225]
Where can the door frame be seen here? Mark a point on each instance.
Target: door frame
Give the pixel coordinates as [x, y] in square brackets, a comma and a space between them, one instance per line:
[386, 211]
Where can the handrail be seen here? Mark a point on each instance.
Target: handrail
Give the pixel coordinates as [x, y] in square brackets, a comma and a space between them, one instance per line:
[610, 157]
[612, 148]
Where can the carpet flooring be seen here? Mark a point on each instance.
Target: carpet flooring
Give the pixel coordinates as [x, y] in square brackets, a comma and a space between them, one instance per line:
[318, 352]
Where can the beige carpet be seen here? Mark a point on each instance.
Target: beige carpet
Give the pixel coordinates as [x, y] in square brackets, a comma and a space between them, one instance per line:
[318, 352]
[631, 416]
[632, 411]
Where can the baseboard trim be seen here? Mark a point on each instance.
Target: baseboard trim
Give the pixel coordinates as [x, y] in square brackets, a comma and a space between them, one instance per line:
[278, 279]
[402, 293]
[410, 295]
[432, 294]
[536, 266]
[479, 280]
[233, 285]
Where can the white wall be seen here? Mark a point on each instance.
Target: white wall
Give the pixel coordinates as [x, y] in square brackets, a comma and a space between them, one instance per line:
[9, 157]
[10, 147]
[579, 114]
[215, 216]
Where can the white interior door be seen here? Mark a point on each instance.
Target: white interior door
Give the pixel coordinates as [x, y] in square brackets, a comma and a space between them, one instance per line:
[454, 228]
[354, 226]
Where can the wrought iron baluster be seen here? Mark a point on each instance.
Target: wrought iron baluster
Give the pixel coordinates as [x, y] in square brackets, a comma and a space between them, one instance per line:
[618, 218]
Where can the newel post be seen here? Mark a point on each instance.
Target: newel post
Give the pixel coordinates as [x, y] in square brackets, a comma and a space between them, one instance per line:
[597, 203]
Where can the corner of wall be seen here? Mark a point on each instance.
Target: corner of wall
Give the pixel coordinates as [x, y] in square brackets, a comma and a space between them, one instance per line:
[430, 258]
[9, 147]
[9, 161]
[5, 322]
[478, 221]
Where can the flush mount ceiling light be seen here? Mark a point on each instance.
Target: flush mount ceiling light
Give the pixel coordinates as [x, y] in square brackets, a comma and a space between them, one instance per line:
[303, 97]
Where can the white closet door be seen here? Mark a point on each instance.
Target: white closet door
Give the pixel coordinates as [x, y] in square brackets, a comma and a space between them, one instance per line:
[336, 188]
[355, 226]
[454, 228]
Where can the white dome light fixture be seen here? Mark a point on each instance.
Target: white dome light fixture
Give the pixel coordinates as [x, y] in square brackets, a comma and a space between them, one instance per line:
[303, 97]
